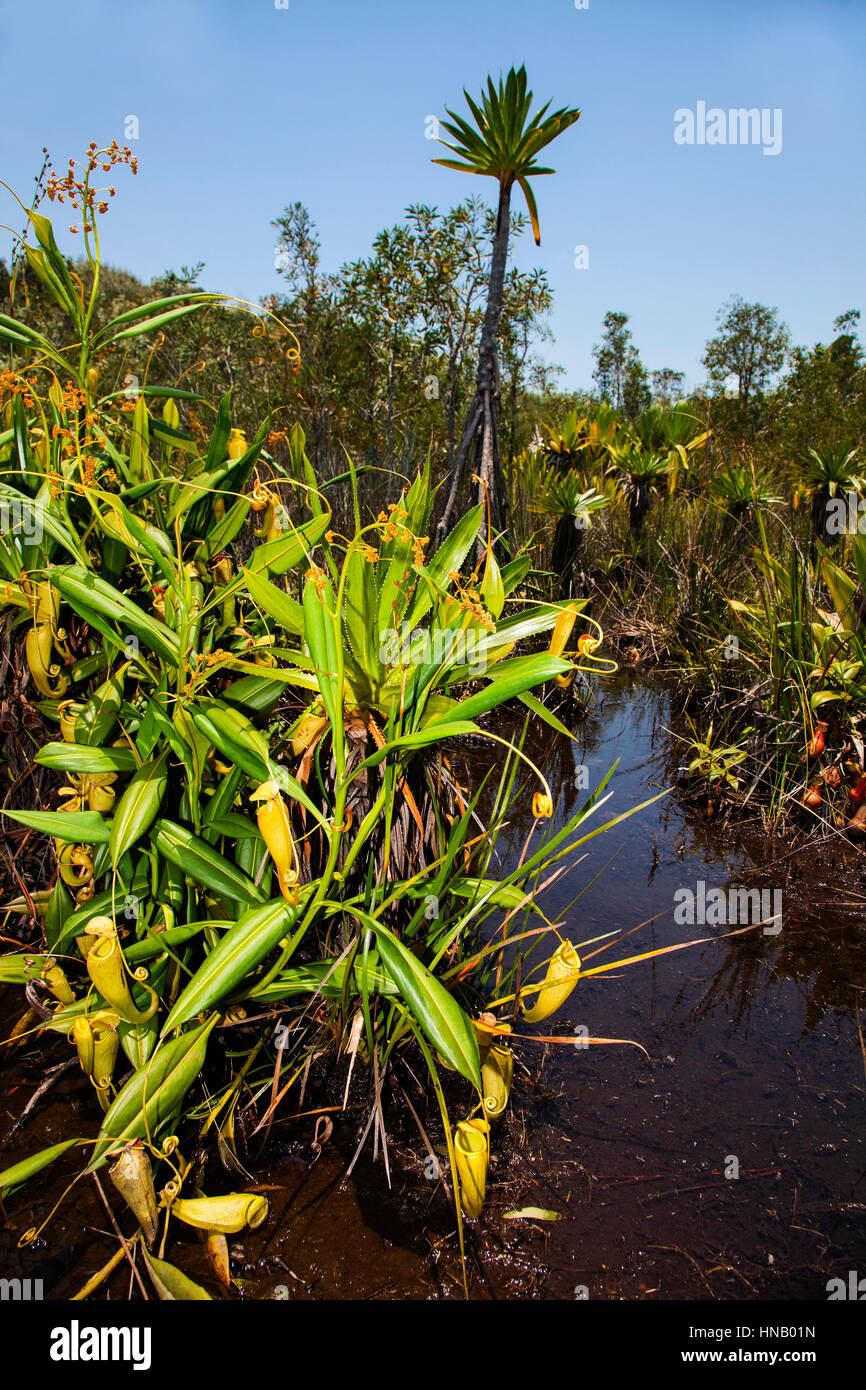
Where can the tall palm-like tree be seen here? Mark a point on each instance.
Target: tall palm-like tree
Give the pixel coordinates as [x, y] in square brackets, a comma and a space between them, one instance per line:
[502, 144]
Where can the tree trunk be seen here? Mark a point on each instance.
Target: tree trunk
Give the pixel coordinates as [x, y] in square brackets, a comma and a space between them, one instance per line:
[565, 554]
[480, 435]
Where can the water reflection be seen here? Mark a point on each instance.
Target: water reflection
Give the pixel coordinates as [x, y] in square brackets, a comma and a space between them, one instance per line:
[640, 866]
[753, 1042]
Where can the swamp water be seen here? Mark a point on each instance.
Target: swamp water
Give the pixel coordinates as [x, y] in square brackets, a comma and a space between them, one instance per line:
[755, 1068]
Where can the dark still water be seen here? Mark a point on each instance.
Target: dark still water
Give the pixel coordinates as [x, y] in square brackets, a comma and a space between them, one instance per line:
[755, 1063]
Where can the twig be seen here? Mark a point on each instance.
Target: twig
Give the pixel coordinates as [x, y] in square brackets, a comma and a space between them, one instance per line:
[50, 1078]
[120, 1236]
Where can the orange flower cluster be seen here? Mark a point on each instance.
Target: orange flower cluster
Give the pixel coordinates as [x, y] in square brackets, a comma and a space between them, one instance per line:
[11, 384]
[78, 190]
[60, 432]
[75, 400]
[319, 577]
[393, 529]
[88, 472]
[471, 602]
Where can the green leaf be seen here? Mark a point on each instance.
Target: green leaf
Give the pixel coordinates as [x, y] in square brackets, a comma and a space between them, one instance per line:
[59, 907]
[440, 1016]
[825, 697]
[492, 588]
[81, 587]
[218, 447]
[422, 738]
[42, 514]
[139, 458]
[98, 717]
[243, 947]
[279, 606]
[256, 693]
[542, 712]
[319, 620]
[78, 758]
[204, 864]
[139, 806]
[15, 1177]
[509, 678]
[72, 827]
[506, 895]
[327, 979]
[156, 306]
[288, 550]
[515, 572]
[171, 1284]
[233, 735]
[152, 1094]
[150, 325]
[224, 532]
[448, 558]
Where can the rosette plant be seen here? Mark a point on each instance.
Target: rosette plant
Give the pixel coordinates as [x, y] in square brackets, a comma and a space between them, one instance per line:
[501, 141]
[239, 722]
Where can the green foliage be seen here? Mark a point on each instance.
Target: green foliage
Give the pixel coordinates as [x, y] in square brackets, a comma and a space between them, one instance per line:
[251, 726]
[506, 137]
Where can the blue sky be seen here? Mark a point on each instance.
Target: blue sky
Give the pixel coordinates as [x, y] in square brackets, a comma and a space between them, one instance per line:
[244, 107]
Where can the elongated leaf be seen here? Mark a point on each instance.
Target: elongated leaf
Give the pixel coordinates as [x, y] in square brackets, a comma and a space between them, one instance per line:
[242, 948]
[256, 693]
[438, 1013]
[78, 585]
[515, 572]
[72, 827]
[14, 1177]
[21, 332]
[323, 977]
[287, 551]
[224, 532]
[506, 895]
[171, 937]
[139, 806]
[319, 606]
[98, 717]
[43, 513]
[235, 827]
[20, 967]
[448, 558]
[542, 712]
[233, 735]
[222, 433]
[59, 908]
[144, 311]
[171, 1284]
[492, 588]
[150, 325]
[204, 864]
[279, 606]
[153, 1093]
[510, 678]
[78, 758]
[452, 728]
